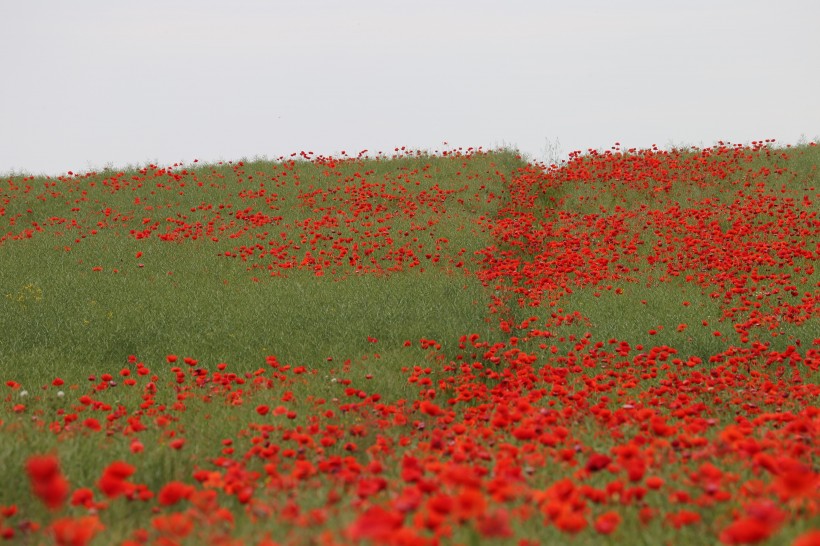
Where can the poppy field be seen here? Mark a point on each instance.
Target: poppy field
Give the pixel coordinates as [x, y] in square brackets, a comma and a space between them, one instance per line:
[415, 348]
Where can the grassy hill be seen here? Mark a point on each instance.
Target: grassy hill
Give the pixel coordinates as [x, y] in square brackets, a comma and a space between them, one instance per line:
[415, 348]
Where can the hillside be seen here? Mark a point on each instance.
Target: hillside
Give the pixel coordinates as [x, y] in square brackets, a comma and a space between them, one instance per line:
[415, 349]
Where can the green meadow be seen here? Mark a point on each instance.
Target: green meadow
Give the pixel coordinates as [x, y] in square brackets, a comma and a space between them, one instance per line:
[81, 293]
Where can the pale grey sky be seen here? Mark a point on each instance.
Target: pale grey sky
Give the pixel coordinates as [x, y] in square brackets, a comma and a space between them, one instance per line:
[87, 83]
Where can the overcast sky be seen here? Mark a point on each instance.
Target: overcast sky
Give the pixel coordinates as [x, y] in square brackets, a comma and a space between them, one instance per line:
[89, 83]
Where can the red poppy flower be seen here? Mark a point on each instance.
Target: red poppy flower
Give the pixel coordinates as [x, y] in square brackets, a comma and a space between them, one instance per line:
[683, 518]
[176, 525]
[75, 532]
[495, 524]
[795, 480]
[597, 461]
[92, 424]
[607, 522]
[113, 482]
[173, 492]
[470, 503]
[376, 524]
[747, 530]
[47, 482]
[429, 408]
[82, 496]
[570, 521]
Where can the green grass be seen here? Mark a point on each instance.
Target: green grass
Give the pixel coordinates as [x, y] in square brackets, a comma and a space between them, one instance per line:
[85, 322]
[70, 321]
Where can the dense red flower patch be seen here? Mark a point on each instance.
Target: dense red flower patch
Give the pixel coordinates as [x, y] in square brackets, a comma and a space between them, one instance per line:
[365, 222]
[545, 431]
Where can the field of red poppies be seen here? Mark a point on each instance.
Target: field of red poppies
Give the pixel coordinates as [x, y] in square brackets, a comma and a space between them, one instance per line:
[415, 348]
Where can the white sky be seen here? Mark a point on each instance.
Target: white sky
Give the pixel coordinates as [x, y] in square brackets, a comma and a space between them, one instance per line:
[86, 83]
